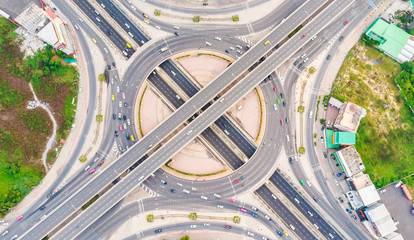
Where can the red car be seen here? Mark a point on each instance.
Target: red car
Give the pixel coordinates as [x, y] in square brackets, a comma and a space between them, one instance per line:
[281, 122]
[92, 171]
[243, 210]
[232, 200]
[236, 181]
[120, 127]
[303, 36]
[274, 89]
[20, 218]
[227, 226]
[101, 162]
[346, 22]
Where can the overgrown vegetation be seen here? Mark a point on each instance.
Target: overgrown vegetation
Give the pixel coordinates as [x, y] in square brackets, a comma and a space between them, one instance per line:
[406, 83]
[24, 132]
[385, 136]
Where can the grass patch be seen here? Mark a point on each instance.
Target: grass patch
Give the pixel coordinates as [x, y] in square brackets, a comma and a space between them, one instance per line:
[214, 55]
[139, 112]
[191, 174]
[261, 114]
[24, 132]
[385, 136]
[86, 205]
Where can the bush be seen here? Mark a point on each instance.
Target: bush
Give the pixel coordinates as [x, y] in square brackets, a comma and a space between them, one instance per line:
[196, 19]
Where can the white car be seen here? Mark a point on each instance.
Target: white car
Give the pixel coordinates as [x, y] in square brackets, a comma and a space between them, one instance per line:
[218, 38]
[217, 195]
[268, 218]
[336, 181]
[308, 182]
[220, 206]
[193, 226]
[176, 27]
[383, 190]
[250, 234]
[117, 89]
[208, 43]
[120, 103]
[204, 197]
[106, 50]
[80, 19]
[158, 27]
[4, 233]
[76, 26]
[207, 224]
[129, 122]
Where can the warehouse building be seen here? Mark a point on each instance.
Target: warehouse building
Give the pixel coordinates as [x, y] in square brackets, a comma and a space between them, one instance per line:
[394, 41]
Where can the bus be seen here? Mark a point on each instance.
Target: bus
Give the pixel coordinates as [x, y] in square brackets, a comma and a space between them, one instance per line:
[302, 182]
[94, 40]
[267, 42]
[128, 45]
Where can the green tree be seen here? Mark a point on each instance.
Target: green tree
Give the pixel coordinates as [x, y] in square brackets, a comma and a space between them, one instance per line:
[186, 237]
[101, 77]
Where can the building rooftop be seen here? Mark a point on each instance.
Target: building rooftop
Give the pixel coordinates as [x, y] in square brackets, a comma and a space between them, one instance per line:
[366, 190]
[381, 219]
[32, 18]
[344, 138]
[351, 162]
[392, 39]
[351, 116]
[329, 139]
[335, 102]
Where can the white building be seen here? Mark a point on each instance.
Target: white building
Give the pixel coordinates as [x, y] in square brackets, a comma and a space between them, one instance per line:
[380, 219]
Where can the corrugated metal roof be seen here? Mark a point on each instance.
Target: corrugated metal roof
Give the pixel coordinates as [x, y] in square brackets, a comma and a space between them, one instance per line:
[391, 37]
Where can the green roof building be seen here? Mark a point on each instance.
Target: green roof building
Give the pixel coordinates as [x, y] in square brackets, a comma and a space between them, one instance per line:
[394, 41]
[338, 138]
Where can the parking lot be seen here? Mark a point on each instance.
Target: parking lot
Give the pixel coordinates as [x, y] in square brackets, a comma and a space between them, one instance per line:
[399, 208]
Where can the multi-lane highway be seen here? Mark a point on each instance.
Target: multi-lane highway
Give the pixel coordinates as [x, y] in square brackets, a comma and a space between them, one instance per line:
[179, 135]
[180, 139]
